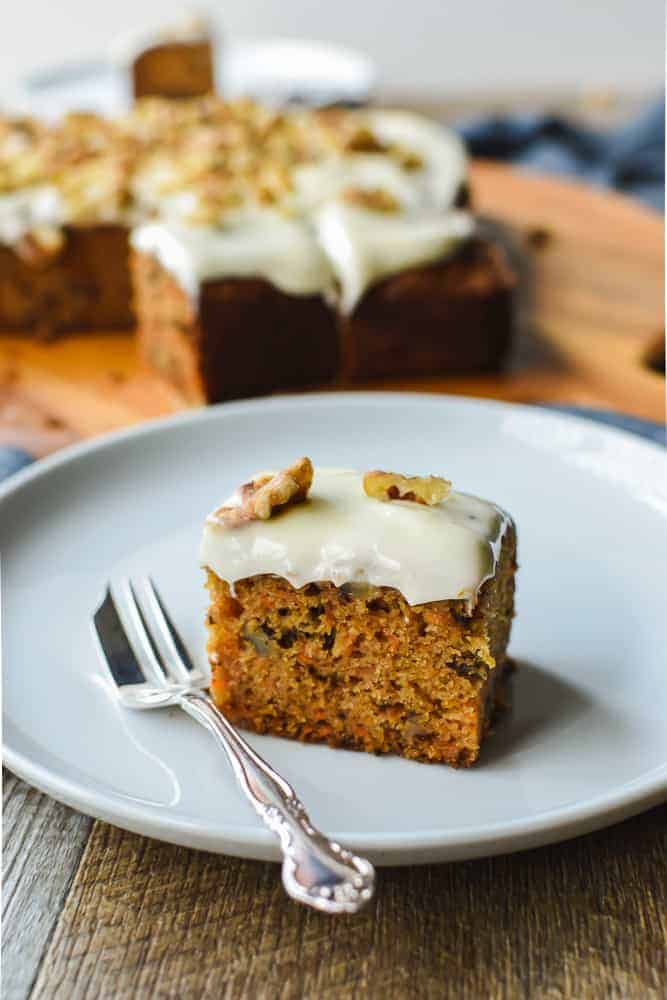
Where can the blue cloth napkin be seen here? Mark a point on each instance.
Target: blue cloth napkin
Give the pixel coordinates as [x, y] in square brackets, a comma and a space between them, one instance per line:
[13, 459]
[631, 159]
[649, 429]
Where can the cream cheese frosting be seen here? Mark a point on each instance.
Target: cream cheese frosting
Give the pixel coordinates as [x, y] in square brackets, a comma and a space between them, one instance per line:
[362, 247]
[28, 208]
[350, 247]
[265, 245]
[339, 534]
[444, 161]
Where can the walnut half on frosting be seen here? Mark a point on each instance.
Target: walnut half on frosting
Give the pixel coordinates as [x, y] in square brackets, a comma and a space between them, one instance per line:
[262, 497]
[428, 490]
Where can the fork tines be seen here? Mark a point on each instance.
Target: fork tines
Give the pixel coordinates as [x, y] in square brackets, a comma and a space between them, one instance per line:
[138, 639]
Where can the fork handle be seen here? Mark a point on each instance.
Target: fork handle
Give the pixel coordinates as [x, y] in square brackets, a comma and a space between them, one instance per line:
[316, 871]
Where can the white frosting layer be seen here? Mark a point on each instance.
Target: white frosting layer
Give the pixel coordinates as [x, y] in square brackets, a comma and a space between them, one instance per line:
[266, 245]
[340, 535]
[28, 208]
[328, 245]
[362, 247]
[445, 164]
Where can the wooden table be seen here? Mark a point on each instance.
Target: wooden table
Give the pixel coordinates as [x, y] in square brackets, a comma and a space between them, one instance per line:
[91, 911]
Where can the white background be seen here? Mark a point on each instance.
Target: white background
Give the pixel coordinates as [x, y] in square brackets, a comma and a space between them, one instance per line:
[420, 46]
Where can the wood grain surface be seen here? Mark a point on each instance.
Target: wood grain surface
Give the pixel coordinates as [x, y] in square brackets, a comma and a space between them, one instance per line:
[594, 314]
[586, 920]
[94, 912]
[42, 845]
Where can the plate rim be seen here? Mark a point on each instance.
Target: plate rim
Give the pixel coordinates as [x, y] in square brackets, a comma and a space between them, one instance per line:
[79, 449]
[503, 836]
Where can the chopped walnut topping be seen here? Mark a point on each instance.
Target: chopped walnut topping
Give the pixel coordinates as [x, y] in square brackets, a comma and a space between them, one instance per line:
[96, 189]
[21, 158]
[206, 157]
[289, 486]
[407, 158]
[429, 490]
[262, 497]
[226, 154]
[374, 199]
[362, 140]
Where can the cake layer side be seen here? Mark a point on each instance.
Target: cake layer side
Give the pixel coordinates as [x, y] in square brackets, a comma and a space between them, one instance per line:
[84, 285]
[450, 317]
[240, 336]
[339, 252]
[357, 666]
[244, 335]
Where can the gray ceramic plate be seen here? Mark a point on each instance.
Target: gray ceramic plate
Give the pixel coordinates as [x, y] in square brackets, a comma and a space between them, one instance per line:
[586, 743]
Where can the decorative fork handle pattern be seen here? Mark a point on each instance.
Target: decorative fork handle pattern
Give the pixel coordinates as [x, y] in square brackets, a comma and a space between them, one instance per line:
[316, 871]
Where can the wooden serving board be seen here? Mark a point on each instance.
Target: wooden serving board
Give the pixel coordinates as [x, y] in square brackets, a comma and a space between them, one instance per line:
[595, 317]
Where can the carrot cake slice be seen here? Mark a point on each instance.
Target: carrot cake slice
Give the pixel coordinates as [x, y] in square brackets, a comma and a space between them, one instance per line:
[369, 611]
[173, 61]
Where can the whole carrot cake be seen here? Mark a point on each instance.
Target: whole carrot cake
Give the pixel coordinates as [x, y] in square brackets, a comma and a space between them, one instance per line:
[296, 247]
[256, 248]
[369, 611]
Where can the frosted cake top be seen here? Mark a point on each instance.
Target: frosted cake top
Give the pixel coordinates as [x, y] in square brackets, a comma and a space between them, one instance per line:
[437, 545]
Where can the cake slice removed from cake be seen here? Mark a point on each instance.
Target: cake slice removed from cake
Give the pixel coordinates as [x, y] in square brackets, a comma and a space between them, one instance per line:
[369, 611]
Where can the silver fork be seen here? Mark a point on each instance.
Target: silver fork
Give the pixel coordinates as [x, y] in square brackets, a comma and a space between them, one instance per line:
[151, 668]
